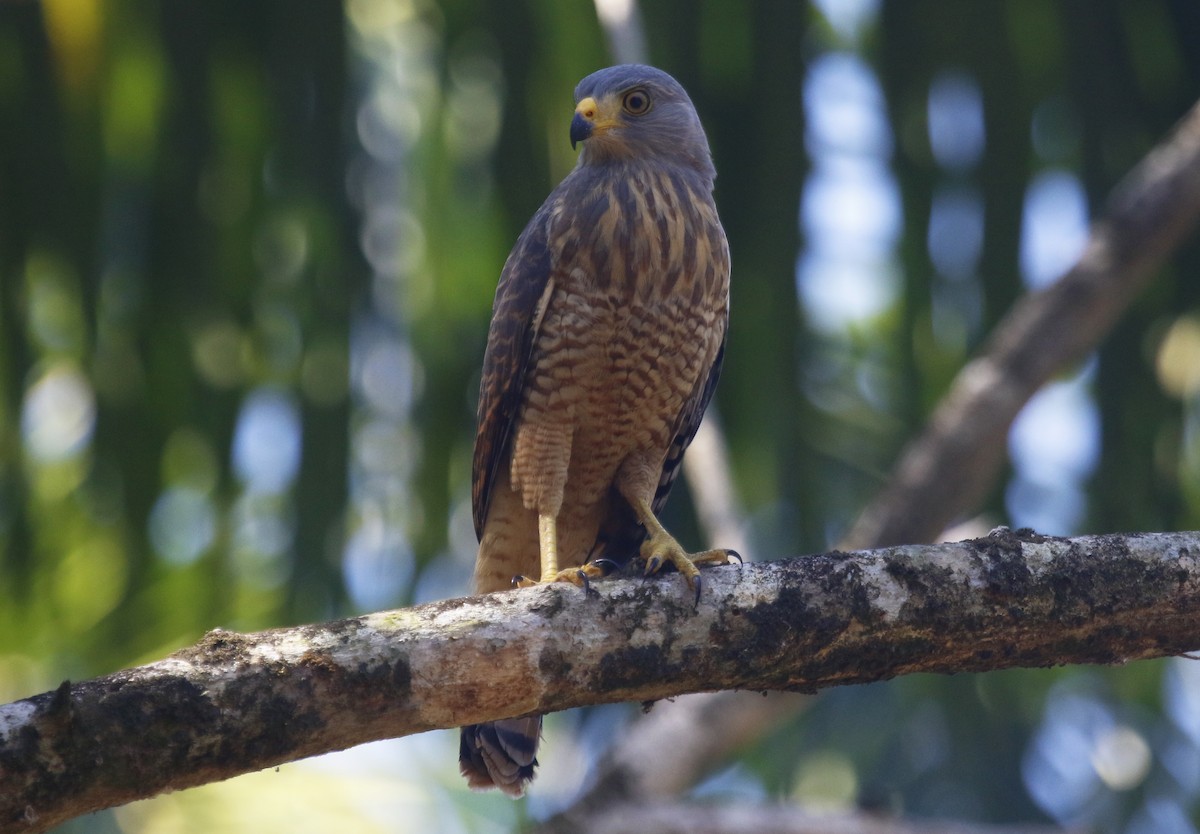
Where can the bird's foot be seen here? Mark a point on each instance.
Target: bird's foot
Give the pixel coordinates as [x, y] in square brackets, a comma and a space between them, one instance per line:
[661, 548]
[580, 576]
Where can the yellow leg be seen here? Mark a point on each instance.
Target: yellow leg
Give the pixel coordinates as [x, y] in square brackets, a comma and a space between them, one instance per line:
[548, 541]
[548, 546]
[661, 547]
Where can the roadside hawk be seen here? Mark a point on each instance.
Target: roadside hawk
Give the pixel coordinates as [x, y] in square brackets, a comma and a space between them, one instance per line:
[606, 341]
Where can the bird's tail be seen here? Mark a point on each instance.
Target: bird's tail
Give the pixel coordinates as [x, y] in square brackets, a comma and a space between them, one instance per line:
[500, 754]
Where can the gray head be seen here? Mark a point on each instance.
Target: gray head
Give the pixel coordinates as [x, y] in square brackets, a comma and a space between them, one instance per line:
[634, 112]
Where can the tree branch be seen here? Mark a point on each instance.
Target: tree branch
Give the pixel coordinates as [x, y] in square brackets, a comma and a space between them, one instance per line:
[949, 468]
[236, 703]
[707, 819]
[710, 480]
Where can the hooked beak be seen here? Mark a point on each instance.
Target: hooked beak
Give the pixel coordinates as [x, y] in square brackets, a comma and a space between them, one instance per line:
[581, 129]
[591, 120]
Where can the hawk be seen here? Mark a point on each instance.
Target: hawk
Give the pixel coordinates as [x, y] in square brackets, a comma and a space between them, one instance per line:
[606, 341]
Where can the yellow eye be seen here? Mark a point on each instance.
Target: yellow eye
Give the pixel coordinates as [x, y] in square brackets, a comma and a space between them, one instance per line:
[636, 102]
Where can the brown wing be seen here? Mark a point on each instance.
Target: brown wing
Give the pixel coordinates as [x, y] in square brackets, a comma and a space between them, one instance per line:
[523, 283]
[685, 431]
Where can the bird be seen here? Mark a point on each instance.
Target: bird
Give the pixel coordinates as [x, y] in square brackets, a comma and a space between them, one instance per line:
[605, 346]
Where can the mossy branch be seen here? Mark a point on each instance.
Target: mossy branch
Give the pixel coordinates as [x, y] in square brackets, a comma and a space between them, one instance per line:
[236, 703]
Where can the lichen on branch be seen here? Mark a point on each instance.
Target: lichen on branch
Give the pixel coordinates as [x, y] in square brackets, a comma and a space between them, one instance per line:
[235, 703]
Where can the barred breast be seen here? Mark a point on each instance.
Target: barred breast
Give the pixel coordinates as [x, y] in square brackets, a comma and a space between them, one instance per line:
[628, 330]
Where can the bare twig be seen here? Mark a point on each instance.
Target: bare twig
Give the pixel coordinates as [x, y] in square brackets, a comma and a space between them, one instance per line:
[946, 471]
[710, 479]
[236, 703]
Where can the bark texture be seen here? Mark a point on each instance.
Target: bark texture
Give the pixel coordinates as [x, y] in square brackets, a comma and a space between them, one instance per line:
[236, 703]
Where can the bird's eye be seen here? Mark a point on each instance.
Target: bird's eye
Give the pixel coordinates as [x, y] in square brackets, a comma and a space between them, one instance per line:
[636, 102]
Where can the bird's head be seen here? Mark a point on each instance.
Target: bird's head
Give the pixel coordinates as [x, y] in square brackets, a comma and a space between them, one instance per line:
[632, 112]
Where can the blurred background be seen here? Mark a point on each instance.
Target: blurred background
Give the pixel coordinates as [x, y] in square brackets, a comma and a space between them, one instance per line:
[247, 257]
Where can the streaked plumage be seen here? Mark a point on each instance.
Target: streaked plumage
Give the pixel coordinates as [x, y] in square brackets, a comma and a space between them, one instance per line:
[605, 346]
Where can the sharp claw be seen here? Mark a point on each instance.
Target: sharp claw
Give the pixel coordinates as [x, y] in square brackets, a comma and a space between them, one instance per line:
[699, 584]
[517, 580]
[585, 582]
[733, 554]
[653, 564]
[606, 565]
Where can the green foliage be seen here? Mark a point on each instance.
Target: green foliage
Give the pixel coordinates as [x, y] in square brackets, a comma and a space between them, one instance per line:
[247, 253]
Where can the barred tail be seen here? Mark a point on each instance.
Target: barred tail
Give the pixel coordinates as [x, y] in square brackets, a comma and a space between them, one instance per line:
[500, 754]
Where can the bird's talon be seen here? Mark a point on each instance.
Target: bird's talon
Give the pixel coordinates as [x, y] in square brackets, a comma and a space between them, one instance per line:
[699, 582]
[605, 566]
[733, 554]
[584, 583]
[653, 564]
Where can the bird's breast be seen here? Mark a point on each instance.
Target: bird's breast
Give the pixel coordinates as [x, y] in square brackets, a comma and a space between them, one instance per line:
[644, 233]
[636, 314]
